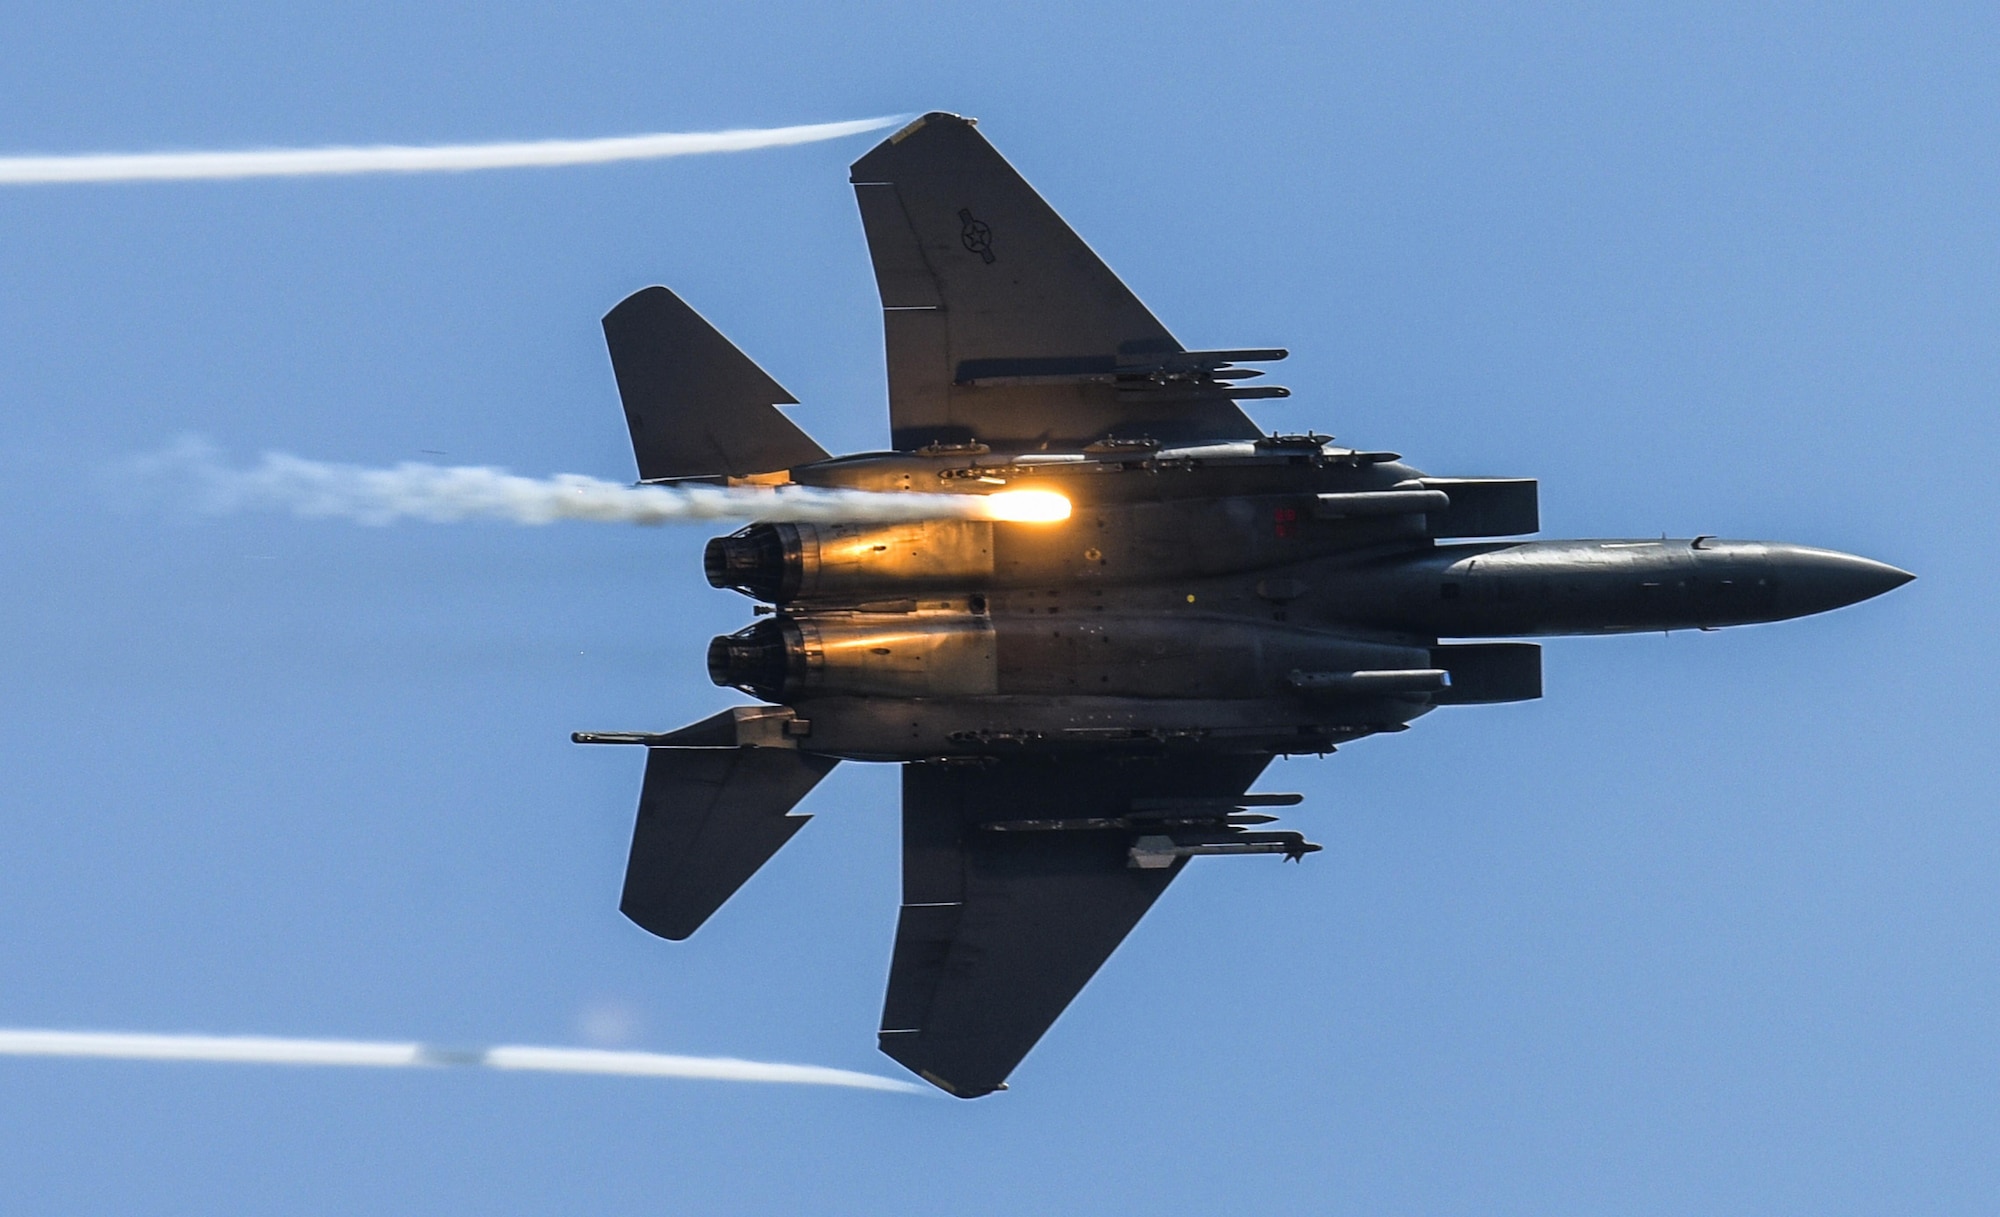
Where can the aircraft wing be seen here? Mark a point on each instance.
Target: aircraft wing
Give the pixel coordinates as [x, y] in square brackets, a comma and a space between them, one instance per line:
[1003, 327]
[1001, 924]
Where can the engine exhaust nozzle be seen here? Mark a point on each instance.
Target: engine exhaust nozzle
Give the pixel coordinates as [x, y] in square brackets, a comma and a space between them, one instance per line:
[756, 659]
[753, 561]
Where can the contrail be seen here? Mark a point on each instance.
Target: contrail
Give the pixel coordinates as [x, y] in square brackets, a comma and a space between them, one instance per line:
[403, 158]
[444, 494]
[376, 1054]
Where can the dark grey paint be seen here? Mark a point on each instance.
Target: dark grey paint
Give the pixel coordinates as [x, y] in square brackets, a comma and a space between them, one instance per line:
[1001, 324]
[1000, 929]
[708, 819]
[696, 406]
[1080, 706]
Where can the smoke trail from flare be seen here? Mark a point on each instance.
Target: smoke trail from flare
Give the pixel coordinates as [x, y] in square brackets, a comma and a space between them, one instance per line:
[445, 494]
[402, 158]
[375, 1054]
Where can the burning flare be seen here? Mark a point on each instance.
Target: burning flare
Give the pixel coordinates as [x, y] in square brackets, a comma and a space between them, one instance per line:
[1026, 506]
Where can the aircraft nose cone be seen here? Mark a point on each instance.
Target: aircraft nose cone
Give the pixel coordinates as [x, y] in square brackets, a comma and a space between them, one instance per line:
[1816, 580]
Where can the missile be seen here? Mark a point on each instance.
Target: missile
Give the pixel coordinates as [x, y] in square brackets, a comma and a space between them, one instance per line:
[1384, 682]
[1159, 852]
[1379, 503]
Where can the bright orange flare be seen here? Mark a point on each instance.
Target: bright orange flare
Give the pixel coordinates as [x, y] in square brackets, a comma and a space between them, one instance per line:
[1027, 506]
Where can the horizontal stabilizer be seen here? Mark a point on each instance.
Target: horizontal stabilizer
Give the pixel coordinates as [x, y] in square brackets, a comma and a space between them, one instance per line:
[697, 406]
[708, 818]
[736, 727]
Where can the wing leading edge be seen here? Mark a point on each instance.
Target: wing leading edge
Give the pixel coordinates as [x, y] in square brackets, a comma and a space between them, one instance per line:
[1002, 326]
[1000, 928]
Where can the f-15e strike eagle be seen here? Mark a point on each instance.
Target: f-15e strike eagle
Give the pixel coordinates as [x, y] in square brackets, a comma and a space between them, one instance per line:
[1080, 703]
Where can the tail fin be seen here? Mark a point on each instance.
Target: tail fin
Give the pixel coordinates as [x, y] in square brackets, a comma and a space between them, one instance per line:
[708, 819]
[697, 406]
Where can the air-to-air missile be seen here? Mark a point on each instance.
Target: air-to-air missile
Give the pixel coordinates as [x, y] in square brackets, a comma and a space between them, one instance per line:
[1082, 687]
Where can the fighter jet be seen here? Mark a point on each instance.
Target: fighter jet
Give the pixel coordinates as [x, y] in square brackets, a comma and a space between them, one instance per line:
[1082, 690]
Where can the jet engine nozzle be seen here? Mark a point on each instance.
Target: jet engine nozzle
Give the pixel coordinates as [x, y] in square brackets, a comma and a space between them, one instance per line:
[757, 659]
[781, 563]
[858, 655]
[752, 561]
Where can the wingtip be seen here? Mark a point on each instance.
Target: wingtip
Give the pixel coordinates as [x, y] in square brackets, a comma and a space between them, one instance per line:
[958, 1092]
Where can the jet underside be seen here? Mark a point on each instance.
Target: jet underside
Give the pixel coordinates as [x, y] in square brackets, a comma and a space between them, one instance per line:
[1081, 704]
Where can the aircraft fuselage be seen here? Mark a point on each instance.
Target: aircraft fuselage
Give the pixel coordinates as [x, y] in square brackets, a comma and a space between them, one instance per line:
[1084, 675]
[1282, 596]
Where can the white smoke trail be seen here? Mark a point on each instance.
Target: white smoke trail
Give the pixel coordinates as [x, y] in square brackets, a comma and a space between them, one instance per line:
[266, 1050]
[401, 158]
[439, 493]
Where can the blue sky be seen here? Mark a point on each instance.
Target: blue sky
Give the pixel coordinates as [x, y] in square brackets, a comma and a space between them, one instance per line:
[1711, 928]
